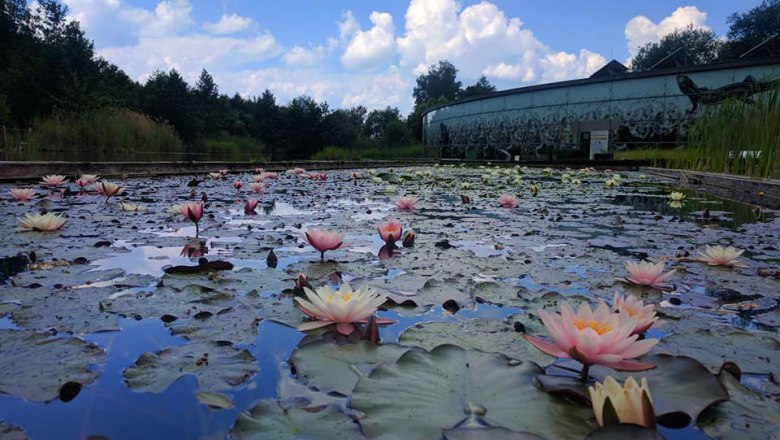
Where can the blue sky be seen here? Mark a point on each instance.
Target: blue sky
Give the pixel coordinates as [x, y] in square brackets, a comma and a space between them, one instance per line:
[350, 52]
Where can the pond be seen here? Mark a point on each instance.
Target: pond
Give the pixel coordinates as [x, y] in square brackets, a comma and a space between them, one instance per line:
[122, 324]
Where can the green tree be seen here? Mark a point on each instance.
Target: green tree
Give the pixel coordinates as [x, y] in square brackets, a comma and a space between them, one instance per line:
[414, 120]
[440, 81]
[377, 121]
[167, 97]
[481, 87]
[749, 29]
[701, 47]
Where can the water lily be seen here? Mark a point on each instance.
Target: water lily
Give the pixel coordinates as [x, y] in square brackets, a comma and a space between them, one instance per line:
[258, 177]
[565, 177]
[131, 206]
[195, 249]
[631, 402]
[675, 204]
[83, 183]
[507, 201]
[356, 176]
[650, 274]
[344, 307]
[223, 172]
[177, 209]
[609, 183]
[576, 181]
[41, 222]
[720, 256]
[296, 171]
[377, 180]
[547, 171]
[601, 337]
[249, 207]
[323, 240]
[258, 187]
[270, 175]
[390, 231]
[238, 185]
[91, 178]
[407, 203]
[53, 180]
[259, 170]
[194, 212]
[391, 189]
[215, 176]
[534, 189]
[636, 308]
[465, 185]
[108, 189]
[22, 194]
[676, 196]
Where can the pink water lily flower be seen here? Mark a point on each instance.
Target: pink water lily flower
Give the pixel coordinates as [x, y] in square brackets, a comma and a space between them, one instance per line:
[407, 203]
[344, 307]
[41, 222]
[390, 231]
[601, 337]
[194, 212]
[507, 201]
[323, 240]
[636, 308]
[83, 183]
[720, 256]
[259, 177]
[223, 172]
[108, 189]
[649, 274]
[270, 175]
[22, 194]
[91, 178]
[238, 185]
[259, 170]
[258, 187]
[53, 180]
[249, 207]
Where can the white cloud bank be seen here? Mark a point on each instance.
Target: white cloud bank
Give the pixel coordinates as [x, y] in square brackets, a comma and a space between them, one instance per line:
[640, 30]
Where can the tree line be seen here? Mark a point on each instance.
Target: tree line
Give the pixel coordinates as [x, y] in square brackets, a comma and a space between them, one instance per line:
[703, 46]
[49, 71]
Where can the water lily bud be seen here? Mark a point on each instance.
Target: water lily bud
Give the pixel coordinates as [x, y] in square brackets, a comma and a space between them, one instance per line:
[630, 403]
[409, 239]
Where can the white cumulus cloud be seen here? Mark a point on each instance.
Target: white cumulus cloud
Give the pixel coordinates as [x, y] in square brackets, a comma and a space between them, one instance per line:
[481, 39]
[229, 24]
[640, 30]
[371, 48]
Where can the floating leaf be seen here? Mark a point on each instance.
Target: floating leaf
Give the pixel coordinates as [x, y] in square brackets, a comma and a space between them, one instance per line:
[29, 369]
[425, 392]
[624, 431]
[487, 434]
[215, 400]
[8, 432]
[746, 414]
[216, 366]
[485, 334]
[330, 367]
[268, 420]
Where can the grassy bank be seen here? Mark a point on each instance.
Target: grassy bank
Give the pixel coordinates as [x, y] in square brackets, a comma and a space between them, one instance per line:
[108, 134]
[372, 153]
[738, 137]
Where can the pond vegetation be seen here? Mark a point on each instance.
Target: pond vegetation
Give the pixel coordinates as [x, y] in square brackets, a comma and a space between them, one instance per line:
[430, 302]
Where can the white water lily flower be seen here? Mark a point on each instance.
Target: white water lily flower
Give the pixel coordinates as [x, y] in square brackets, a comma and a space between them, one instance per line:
[676, 196]
[41, 222]
[720, 256]
[631, 402]
[343, 307]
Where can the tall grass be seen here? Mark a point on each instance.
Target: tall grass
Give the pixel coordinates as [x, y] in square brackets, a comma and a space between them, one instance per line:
[103, 135]
[236, 149]
[372, 153]
[717, 140]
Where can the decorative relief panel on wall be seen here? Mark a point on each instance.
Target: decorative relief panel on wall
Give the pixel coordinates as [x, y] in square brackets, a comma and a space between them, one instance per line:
[549, 123]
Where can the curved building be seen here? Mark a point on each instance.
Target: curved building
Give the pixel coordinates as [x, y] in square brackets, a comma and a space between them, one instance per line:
[589, 118]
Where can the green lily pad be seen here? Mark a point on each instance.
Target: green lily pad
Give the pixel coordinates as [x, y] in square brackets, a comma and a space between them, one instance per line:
[712, 344]
[425, 392]
[331, 367]
[215, 400]
[624, 431]
[268, 420]
[8, 432]
[485, 334]
[746, 414]
[216, 366]
[35, 366]
[487, 434]
[73, 311]
[235, 324]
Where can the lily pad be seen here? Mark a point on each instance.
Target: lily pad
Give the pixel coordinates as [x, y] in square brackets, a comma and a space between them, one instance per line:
[712, 344]
[487, 434]
[74, 311]
[8, 432]
[330, 367]
[216, 366]
[485, 334]
[215, 400]
[234, 324]
[425, 392]
[268, 420]
[35, 366]
[624, 431]
[746, 414]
